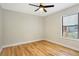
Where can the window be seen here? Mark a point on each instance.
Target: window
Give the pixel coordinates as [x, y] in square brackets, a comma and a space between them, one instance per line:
[70, 28]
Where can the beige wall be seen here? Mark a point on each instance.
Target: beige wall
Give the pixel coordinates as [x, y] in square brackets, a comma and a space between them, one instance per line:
[0, 27]
[20, 27]
[53, 28]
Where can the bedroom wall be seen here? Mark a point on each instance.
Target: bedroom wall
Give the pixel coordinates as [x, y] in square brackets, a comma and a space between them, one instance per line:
[0, 27]
[53, 28]
[20, 27]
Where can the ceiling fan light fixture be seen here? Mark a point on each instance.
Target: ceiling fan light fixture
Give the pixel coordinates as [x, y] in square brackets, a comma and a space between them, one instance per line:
[41, 9]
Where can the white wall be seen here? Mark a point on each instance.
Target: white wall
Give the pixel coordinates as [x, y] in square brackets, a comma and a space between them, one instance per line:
[20, 27]
[0, 27]
[53, 28]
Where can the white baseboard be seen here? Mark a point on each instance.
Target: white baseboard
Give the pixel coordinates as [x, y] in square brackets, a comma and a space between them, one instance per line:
[15, 44]
[63, 45]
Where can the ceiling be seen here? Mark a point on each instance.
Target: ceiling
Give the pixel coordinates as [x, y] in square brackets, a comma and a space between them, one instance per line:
[26, 8]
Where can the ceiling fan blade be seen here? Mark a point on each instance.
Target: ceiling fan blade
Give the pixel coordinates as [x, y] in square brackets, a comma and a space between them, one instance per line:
[37, 9]
[48, 6]
[44, 10]
[33, 5]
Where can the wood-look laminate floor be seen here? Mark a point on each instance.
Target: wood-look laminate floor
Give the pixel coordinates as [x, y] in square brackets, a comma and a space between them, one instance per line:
[39, 48]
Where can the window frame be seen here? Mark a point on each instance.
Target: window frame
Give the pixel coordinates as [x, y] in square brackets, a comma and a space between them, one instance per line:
[78, 24]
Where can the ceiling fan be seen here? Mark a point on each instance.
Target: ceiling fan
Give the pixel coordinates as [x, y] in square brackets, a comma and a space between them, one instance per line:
[42, 7]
